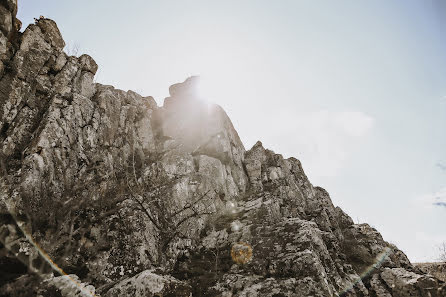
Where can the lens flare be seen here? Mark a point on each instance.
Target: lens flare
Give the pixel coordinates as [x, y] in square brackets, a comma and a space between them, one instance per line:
[241, 253]
[380, 258]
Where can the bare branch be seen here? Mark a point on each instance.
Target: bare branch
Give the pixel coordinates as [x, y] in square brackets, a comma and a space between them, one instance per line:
[190, 205]
[146, 212]
[442, 249]
[186, 218]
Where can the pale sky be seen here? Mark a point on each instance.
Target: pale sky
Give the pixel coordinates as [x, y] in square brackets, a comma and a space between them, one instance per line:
[354, 89]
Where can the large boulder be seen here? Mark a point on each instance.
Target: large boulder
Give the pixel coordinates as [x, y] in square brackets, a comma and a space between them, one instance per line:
[149, 284]
[66, 286]
[402, 283]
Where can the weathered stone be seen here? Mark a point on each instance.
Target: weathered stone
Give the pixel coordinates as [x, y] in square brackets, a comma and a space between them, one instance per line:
[51, 32]
[148, 284]
[150, 102]
[11, 5]
[437, 269]
[378, 287]
[32, 55]
[62, 80]
[405, 283]
[253, 162]
[3, 44]
[60, 62]
[186, 89]
[85, 85]
[66, 286]
[5, 21]
[17, 24]
[88, 64]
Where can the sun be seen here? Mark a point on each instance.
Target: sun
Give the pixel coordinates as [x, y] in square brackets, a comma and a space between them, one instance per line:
[206, 88]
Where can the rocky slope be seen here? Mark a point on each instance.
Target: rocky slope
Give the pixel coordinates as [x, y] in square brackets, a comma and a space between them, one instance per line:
[437, 269]
[132, 199]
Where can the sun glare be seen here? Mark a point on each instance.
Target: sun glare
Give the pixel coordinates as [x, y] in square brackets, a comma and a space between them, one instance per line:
[206, 89]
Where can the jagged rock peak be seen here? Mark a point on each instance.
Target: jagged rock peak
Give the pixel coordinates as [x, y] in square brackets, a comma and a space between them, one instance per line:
[186, 89]
[51, 32]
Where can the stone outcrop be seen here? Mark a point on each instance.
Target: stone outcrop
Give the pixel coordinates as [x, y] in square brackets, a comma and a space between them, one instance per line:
[437, 269]
[148, 284]
[75, 156]
[302, 245]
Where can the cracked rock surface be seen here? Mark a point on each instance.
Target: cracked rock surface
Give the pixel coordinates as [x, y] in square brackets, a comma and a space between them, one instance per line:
[67, 147]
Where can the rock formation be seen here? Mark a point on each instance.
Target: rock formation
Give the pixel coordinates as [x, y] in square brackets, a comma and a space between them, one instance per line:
[105, 193]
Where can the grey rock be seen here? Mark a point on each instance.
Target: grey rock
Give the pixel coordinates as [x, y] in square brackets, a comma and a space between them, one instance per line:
[51, 32]
[88, 64]
[437, 269]
[5, 20]
[59, 62]
[148, 284]
[66, 286]
[32, 55]
[187, 89]
[11, 5]
[405, 283]
[3, 45]
[378, 287]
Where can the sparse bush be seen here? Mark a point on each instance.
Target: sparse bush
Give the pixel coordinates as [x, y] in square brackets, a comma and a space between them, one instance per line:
[149, 188]
[69, 223]
[72, 49]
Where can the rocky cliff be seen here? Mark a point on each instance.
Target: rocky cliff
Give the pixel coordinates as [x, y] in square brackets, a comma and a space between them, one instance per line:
[105, 193]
